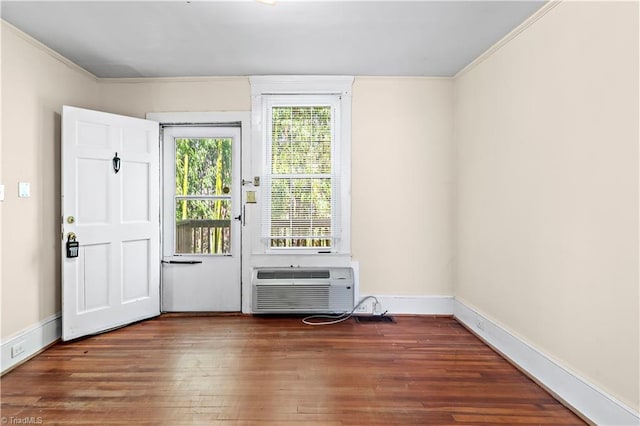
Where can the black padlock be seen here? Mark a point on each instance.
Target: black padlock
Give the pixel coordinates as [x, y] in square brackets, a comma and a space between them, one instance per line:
[73, 248]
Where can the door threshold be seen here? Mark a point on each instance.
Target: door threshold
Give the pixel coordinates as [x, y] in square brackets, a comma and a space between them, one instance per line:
[201, 314]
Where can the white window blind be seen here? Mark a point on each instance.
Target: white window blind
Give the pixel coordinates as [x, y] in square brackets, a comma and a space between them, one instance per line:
[301, 209]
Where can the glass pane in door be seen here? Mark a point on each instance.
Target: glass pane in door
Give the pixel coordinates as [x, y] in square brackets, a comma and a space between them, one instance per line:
[203, 166]
[203, 196]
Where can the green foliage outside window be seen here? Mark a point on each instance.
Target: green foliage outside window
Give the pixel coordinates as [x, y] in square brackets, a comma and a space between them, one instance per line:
[203, 168]
[301, 176]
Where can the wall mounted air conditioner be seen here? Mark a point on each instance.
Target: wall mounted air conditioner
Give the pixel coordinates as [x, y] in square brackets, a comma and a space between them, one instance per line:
[302, 290]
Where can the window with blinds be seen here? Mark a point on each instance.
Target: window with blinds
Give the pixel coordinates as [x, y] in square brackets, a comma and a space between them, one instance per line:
[301, 178]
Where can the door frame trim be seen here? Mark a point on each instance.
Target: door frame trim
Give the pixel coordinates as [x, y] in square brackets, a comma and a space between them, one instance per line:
[219, 119]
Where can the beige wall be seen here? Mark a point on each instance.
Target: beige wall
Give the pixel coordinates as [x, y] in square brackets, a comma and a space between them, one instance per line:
[137, 97]
[402, 212]
[547, 205]
[417, 257]
[34, 88]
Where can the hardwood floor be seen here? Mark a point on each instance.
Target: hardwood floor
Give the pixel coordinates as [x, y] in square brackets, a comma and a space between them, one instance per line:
[244, 370]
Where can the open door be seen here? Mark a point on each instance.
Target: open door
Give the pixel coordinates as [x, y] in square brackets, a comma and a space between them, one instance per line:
[111, 221]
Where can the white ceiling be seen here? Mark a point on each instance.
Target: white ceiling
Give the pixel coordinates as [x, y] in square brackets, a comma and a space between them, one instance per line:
[234, 38]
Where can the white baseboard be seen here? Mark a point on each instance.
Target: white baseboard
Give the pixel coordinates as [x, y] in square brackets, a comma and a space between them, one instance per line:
[32, 340]
[416, 305]
[591, 402]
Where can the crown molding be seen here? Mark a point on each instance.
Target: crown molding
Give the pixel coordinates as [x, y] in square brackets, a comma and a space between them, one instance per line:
[546, 8]
[47, 50]
[196, 79]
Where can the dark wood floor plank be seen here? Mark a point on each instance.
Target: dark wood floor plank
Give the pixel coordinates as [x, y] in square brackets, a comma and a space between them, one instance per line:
[257, 371]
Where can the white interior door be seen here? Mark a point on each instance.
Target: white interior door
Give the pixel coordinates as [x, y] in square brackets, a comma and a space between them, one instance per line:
[114, 215]
[201, 219]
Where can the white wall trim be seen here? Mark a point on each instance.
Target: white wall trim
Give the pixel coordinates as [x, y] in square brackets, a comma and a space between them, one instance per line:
[167, 118]
[300, 84]
[512, 35]
[584, 397]
[262, 88]
[401, 78]
[34, 339]
[169, 80]
[415, 305]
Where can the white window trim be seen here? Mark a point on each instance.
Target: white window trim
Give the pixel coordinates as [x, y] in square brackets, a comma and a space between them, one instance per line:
[332, 101]
[263, 86]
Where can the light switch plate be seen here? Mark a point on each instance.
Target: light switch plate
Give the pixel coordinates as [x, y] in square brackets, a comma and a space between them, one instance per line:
[24, 190]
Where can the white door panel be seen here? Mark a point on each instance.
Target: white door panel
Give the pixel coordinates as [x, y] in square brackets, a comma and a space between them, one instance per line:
[198, 288]
[115, 279]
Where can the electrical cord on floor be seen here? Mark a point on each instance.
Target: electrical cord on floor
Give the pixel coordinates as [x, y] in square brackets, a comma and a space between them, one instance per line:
[338, 318]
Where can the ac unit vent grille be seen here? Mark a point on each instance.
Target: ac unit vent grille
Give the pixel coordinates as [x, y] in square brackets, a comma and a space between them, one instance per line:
[286, 297]
[302, 290]
[293, 274]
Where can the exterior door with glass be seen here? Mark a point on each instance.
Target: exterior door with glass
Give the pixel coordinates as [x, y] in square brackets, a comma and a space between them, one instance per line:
[201, 219]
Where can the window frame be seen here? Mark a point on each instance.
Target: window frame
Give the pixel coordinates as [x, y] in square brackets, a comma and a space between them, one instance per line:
[333, 102]
[171, 131]
[267, 90]
[202, 197]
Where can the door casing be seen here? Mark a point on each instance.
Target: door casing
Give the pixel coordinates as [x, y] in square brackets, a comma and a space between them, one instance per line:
[234, 118]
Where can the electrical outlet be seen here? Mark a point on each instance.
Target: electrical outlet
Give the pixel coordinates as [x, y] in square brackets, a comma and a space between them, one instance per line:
[17, 349]
[24, 189]
[364, 308]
